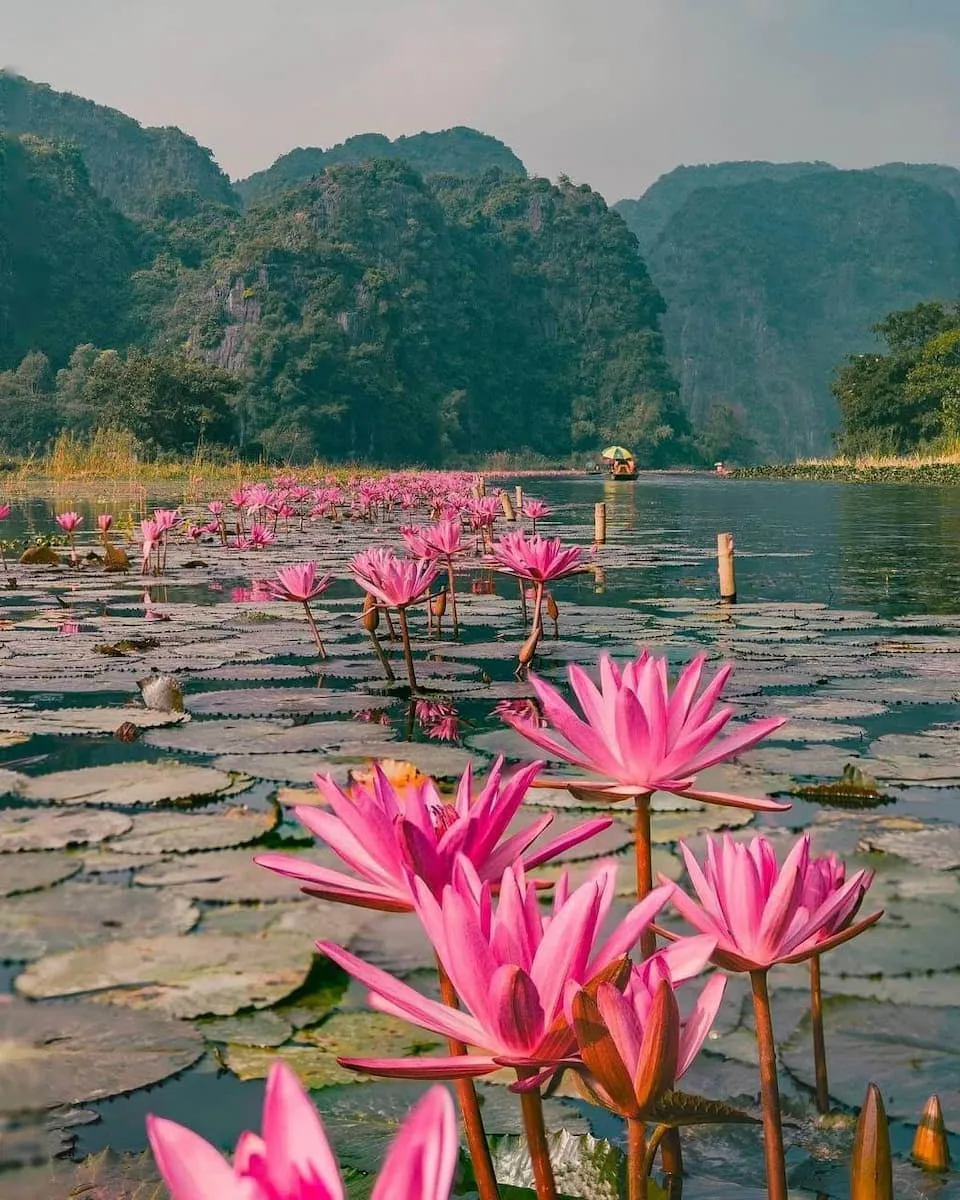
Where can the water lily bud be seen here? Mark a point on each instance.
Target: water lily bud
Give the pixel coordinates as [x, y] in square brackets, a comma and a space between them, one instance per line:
[553, 611]
[371, 614]
[871, 1172]
[930, 1148]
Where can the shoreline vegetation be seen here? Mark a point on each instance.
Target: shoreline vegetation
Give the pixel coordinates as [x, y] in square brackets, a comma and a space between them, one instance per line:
[918, 468]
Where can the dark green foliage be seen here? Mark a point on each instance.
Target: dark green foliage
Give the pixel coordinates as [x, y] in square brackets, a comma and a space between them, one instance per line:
[648, 216]
[65, 254]
[457, 151]
[377, 317]
[893, 402]
[770, 284]
[132, 166]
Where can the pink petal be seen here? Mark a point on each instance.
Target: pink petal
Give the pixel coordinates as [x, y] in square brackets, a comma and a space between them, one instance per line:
[628, 932]
[422, 1158]
[736, 743]
[190, 1166]
[297, 1147]
[730, 799]
[461, 1066]
[559, 845]
[333, 885]
[698, 1025]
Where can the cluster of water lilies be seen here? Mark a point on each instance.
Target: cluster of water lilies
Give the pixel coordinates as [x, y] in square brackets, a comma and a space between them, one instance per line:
[535, 989]
[538, 989]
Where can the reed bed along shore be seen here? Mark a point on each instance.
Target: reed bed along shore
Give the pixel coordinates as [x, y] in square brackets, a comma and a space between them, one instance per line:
[942, 467]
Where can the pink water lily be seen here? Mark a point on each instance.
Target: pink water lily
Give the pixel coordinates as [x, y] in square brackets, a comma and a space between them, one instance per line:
[514, 967]
[104, 521]
[291, 1159]
[638, 737]
[390, 835]
[300, 582]
[69, 521]
[396, 582]
[535, 558]
[762, 913]
[634, 1042]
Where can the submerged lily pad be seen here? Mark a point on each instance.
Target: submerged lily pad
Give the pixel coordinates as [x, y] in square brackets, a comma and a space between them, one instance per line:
[313, 1055]
[910, 1052]
[263, 1028]
[68, 1054]
[127, 785]
[257, 736]
[45, 829]
[162, 832]
[278, 702]
[80, 914]
[34, 870]
[187, 976]
[936, 847]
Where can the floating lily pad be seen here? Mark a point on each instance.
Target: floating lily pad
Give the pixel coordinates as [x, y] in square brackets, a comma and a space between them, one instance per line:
[84, 720]
[278, 702]
[187, 976]
[910, 1052]
[256, 736]
[34, 870]
[27, 829]
[351, 1034]
[80, 914]
[68, 1054]
[284, 768]
[936, 847]
[264, 1028]
[163, 832]
[815, 762]
[226, 876]
[126, 785]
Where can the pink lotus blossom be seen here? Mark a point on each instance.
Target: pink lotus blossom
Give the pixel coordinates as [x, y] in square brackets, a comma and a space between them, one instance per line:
[637, 736]
[150, 532]
[292, 1159]
[299, 582]
[761, 913]
[259, 537]
[5, 511]
[69, 521]
[535, 558]
[387, 835]
[536, 510]
[633, 1041]
[393, 581]
[68, 628]
[166, 519]
[215, 507]
[104, 521]
[514, 968]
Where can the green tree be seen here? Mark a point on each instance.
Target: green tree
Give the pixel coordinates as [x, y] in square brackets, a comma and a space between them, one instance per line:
[935, 380]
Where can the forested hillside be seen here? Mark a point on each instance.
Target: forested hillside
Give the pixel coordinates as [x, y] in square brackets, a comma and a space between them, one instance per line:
[458, 151]
[130, 165]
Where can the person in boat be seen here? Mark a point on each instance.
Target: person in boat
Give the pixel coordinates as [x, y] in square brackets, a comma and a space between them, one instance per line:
[624, 466]
[721, 469]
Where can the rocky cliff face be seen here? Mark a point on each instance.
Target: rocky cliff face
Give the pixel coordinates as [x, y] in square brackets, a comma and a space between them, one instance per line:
[769, 285]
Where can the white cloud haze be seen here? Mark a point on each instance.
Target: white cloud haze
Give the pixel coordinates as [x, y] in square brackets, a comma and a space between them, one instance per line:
[610, 92]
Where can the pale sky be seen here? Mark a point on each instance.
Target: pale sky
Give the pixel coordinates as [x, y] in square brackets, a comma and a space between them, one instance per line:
[610, 92]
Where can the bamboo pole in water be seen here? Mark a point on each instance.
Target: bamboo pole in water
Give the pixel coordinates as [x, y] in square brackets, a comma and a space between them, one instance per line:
[600, 523]
[726, 568]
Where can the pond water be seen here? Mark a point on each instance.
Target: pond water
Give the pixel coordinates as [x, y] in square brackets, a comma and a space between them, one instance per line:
[120, 860]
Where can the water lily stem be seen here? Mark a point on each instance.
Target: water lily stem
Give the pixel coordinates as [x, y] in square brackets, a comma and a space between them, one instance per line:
[636, 1159]
[532, 1105]
[381, 655]
[523, 599]
[321, 649]
[644, 860]
[473, 1129]
[819, 1044]
[671, 1159]
[451, 582]
[407, 651]
[769, 1089]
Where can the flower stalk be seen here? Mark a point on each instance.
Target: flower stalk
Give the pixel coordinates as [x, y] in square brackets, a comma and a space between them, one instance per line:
[819, 1043]
[769, 1088]
[531, 1104]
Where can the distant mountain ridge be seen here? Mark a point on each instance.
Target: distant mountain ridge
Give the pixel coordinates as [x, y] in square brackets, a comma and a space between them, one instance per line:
[458, 151]
[129, 164]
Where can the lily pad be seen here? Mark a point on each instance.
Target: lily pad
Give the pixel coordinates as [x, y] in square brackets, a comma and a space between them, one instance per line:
[256, 736]
[313, 1055]
[27, 829]
[127, 785]
[68, 1054]
[936, 847]
[187, 976]
[278, 702]
[34, 870]
[84, 721]
[910, 1052]
[80, 914]
[162, 832]
[226, 876]
[264, 1028]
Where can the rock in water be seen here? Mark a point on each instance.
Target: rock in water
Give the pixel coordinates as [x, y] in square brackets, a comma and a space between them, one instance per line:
[162, 693]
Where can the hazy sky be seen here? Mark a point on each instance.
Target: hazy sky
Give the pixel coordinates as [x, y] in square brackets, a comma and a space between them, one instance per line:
[610, 92]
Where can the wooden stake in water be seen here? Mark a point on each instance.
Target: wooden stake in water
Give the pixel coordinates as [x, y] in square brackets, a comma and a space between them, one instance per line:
[507, 505]
[600, 523]
[518, 498]
[726, 568]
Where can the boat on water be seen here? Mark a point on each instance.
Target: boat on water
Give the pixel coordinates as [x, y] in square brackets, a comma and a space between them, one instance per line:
[623, 466]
